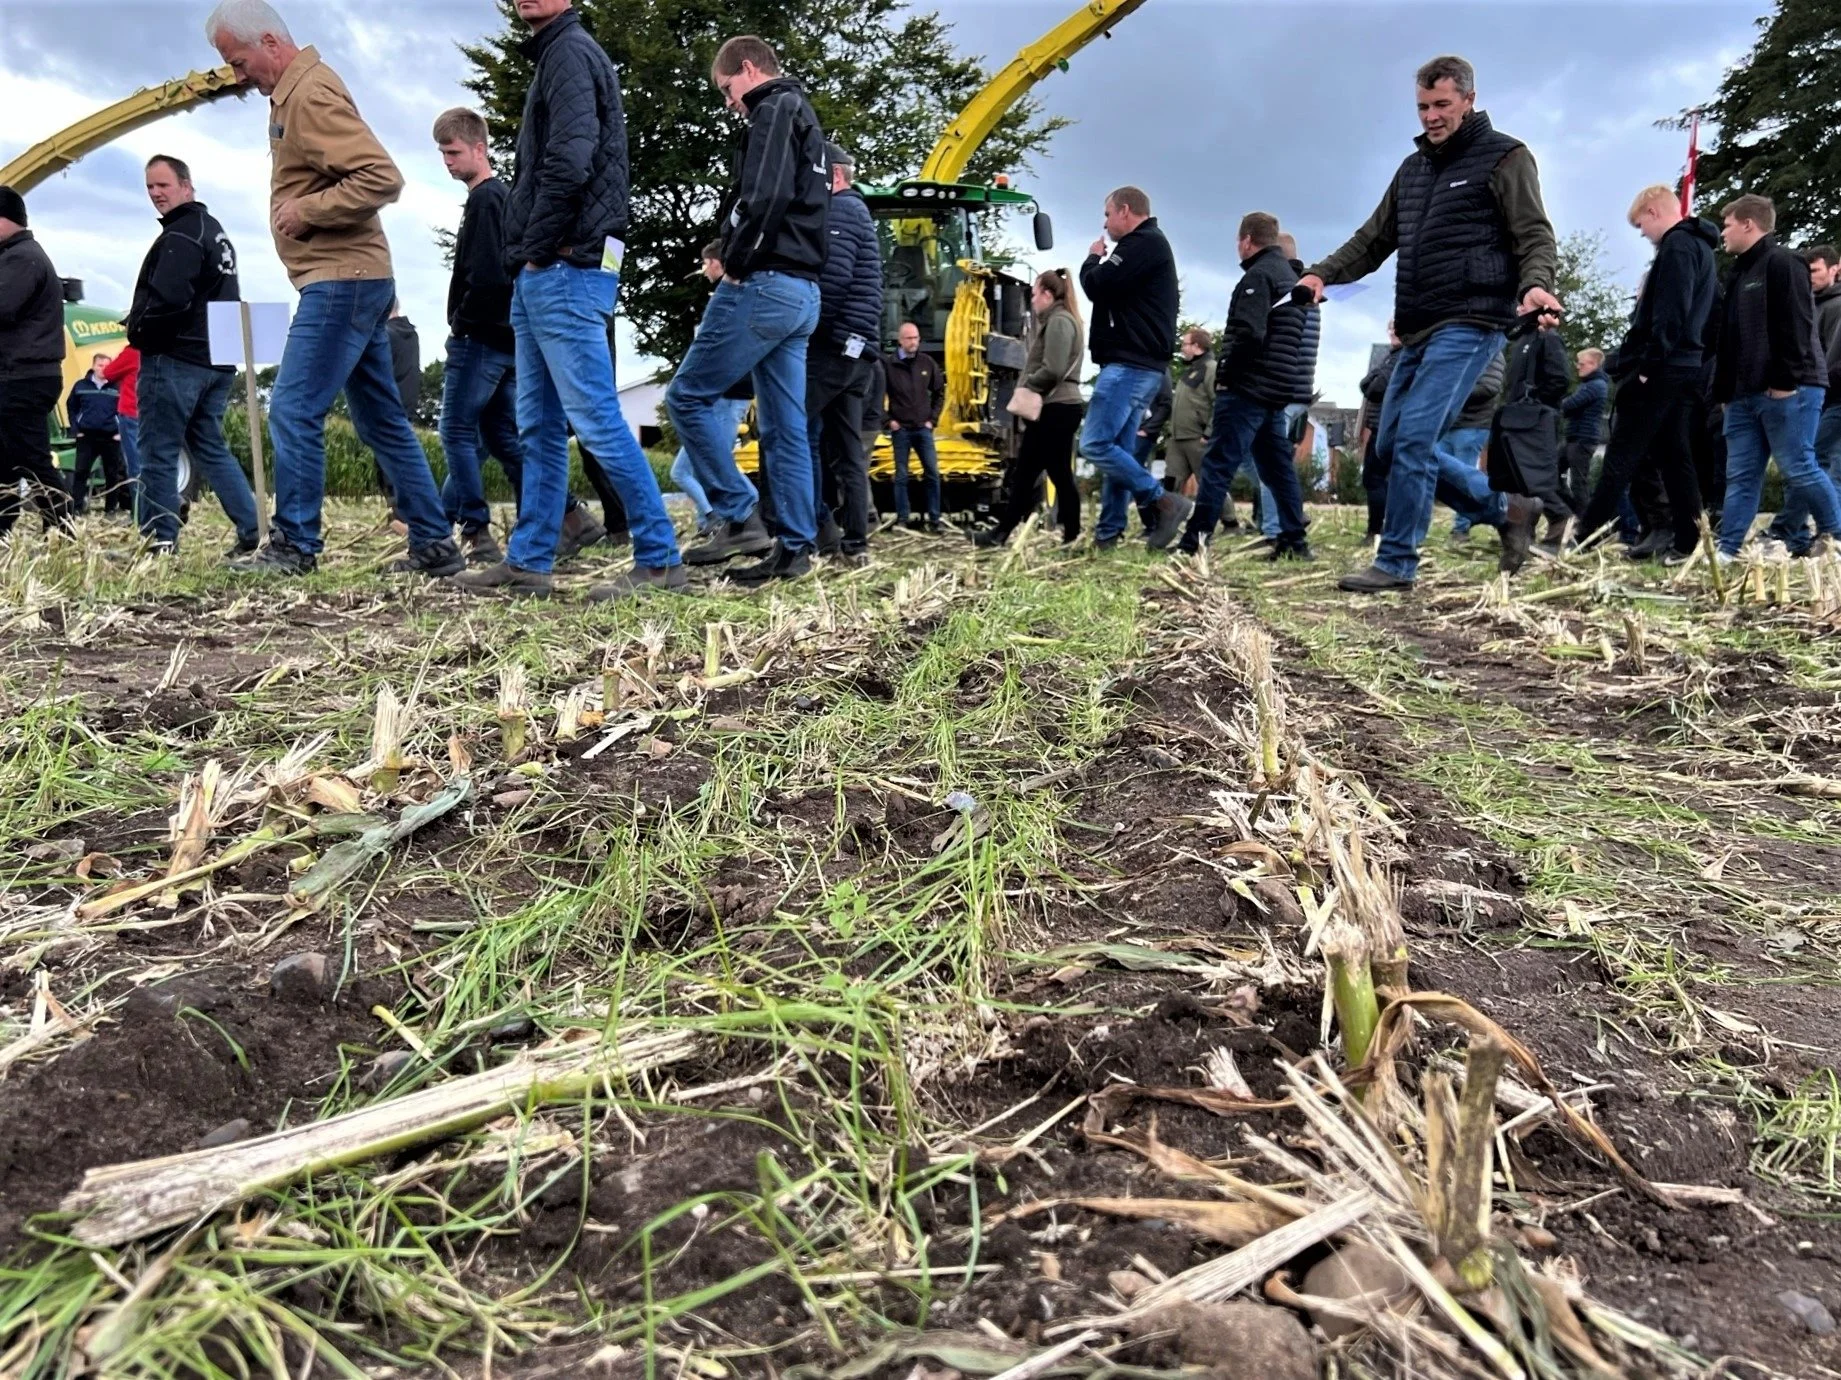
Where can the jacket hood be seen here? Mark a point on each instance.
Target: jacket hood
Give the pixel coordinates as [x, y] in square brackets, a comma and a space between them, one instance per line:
[771, 88]
[1698, 227]
[1830, 293]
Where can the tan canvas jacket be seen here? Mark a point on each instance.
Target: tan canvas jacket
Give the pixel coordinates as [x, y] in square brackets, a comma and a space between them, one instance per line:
[326, 159]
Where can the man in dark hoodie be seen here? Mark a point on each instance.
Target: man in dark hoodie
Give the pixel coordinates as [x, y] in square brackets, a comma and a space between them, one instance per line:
[841, 363]
[760, 320]
[1772, 376]
[564, 228]
[1134, 295]
[183, 395]
[1464, 212]
[1792, 524]
[1657, 369]
[31, 368]
[1257, 378]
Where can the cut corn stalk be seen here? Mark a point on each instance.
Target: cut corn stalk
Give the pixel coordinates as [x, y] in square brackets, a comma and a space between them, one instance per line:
[124, 1201]
[191, 824]
[514, 709]
[390, 724]
[1351, 988]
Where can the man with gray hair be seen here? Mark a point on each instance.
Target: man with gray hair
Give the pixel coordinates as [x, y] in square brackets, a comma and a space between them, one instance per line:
[330, 177]
[1464, 213]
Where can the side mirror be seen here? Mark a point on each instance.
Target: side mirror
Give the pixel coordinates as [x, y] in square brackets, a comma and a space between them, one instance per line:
[1045, 231]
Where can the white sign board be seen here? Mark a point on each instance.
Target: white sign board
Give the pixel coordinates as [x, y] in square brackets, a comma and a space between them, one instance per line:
[268, 329]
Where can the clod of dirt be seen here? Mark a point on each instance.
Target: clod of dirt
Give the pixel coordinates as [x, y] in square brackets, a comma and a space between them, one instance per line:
[511, 1031]
[1177, 1007]
[227, 1134]
[1246, 1338]
[1809, 1312]
[1127, 1284]
[1350, 1272]
[56, 850]
[302, 977]
[1281, 901]
[161, 1001]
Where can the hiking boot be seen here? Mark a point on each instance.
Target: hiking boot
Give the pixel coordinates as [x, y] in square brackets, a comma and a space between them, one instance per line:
[936, 526]
[1672, 557]
[1820, 547]
[1656, 543]
[1190, 545]
[1105, 543]
[634, 582]
[1518, 533]
[279, 557]
[503, 578]
[1172, 512]
[481, 547]
[914, 524]
[830, 537]
[853, 560]
[732, 539]
[579, 530]
[1298, 550]
[1373, 580]
[780, 564]
[1460, 536]
[435, 559]
[988, 538]
[243, 546]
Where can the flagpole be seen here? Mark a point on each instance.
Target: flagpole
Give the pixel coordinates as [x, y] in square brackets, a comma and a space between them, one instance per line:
[1687, 177]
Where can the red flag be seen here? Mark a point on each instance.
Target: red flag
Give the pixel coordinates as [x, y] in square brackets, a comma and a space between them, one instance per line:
[1687, 178]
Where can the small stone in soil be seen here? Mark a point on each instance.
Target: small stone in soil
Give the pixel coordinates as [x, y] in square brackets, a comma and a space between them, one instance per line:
[1281, 902]
[302, 977]
[506, 1032]
[1351, 1272]
[384, 1067]
[227, 1134]
[1809, 1312]
[160, 1001]
[1244, 1338]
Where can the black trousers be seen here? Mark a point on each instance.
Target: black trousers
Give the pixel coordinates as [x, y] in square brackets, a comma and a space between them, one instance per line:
[1375, 473]
[836, 392]
[106, 447]
[1649, 429]
[612, 508]
[25, 451]
[1047, 449]
[1576, 473]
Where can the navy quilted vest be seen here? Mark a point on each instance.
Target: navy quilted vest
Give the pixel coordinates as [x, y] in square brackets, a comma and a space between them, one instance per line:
[1455, 260]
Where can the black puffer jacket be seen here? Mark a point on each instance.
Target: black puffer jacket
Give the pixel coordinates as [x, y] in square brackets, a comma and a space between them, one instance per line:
[1135, 300]
[571, 188]
[1480, 406]
[31, 311]
[850, 288]
[1263, 343]
[774, 220]
[1304, 386]
[190, 266]
[1668, 332]
[1768, 339]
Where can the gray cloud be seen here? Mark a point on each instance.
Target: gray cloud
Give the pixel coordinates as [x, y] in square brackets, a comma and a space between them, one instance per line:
[1214, 106]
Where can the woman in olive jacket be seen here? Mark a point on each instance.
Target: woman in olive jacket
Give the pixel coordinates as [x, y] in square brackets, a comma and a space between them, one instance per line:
[1057, 345]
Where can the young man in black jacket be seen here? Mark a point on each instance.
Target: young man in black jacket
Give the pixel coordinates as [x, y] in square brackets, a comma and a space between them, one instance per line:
[564, 228]
[31, 368]
[1475, 248]
[760, 320]
[1262, 354]
[1771, 375]
[841, 363]
[479, 383]
[1792, 524]
[1134, 297]
[1657, 369]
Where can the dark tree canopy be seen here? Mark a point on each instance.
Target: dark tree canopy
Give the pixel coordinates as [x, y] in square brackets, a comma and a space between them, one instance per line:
[1597, 305]
[883, 81]
[1778, 112]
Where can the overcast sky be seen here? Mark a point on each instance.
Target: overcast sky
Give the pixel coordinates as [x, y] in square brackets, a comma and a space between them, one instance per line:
[1215, 107]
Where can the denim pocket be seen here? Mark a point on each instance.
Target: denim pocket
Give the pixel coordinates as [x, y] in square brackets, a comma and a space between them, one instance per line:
[776, 307]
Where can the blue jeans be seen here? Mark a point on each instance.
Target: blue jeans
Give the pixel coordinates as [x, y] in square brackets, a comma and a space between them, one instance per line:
[337, 341]
[183, 405]
[1791, 527]
[1248, 431]
[1463, 487]
[684, 470]
[760, 327]
[1108, 440]
[131, 447]
[478, 413]
[919, 439]
[1430, 383]
[1265, 507]
[559, 316]
[1759, 427]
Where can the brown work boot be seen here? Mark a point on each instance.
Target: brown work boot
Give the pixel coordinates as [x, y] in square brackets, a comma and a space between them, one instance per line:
[671, 579]
[481, 547]
[1518, 533]
[580, 530]
[503, 578]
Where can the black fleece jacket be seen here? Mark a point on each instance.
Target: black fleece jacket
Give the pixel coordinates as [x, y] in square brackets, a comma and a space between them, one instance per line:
[1134, 295]
[190, 266]
[571, 188]
[479, 292]
[776, 211]
[1767, 336]
[1667, 336]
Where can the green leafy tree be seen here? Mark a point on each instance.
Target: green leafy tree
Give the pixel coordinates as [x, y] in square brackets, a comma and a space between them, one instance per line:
[883, 81]
[1597, 305]
[1776, 112]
